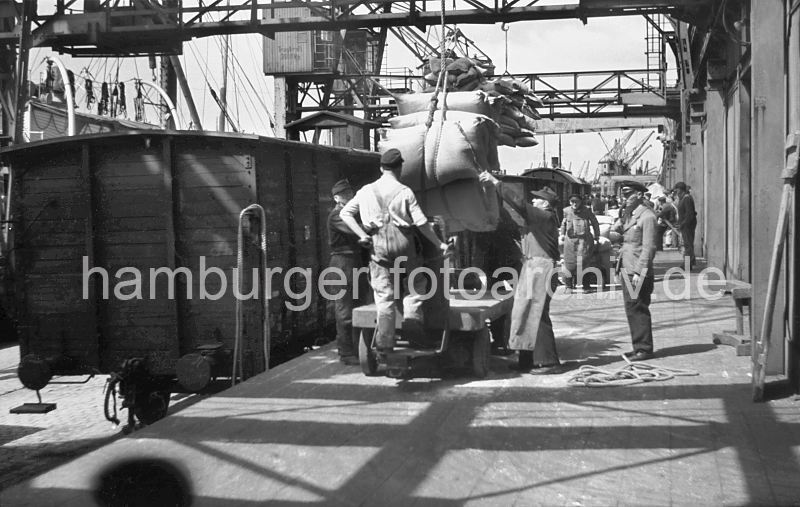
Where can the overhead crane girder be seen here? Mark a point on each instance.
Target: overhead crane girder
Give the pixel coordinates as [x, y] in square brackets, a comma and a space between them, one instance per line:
[121, 31]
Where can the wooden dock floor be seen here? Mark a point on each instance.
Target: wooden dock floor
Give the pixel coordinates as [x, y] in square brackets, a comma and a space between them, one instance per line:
[315, 432]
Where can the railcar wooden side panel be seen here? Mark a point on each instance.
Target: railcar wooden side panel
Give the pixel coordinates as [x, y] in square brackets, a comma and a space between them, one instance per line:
[214, 182]
[51, 220]
[130, 207]
[133, 203]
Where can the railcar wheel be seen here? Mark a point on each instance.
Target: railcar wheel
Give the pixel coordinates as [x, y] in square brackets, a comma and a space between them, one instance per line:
[366, 356]
[481, 345]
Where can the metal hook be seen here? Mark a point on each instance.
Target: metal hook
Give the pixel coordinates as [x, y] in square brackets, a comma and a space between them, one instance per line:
[504, 26]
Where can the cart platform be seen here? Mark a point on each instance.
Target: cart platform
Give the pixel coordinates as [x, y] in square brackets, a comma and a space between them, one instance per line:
[466, 312]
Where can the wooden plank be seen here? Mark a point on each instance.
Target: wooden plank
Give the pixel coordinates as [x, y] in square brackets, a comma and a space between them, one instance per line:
[119, 224]
[133, 237]
[118, 161]
[131, 182]
[239, 196]
[212, 249]
[141, 337]
[59, 252]
[50, 206]
[143, 250]
[131, 203]
[131, 260]
[216, 161]
[56, 226]
[57, 169]
[39, 185]
[190, 179]
[190, 222]
[150, 311]
[37, 239]
[53, 267]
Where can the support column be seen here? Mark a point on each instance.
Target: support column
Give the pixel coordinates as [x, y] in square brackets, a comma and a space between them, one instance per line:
[280, 107]
[169, 83]
[768, 135]
[713, 192]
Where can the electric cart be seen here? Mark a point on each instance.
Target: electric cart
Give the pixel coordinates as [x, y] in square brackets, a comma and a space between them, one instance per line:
[464, 343]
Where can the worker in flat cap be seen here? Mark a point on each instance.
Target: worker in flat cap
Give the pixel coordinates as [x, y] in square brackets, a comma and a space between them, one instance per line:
[687, 220]
[346, 257]
[638, 226]
[531, 328]
[389, 211]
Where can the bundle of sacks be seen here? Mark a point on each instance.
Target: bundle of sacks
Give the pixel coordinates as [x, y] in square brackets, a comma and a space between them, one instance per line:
[515, 113]
[463, 74]
[442, 162]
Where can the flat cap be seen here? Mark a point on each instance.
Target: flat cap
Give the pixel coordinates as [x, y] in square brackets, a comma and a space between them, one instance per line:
[341, 186]
[391, 158]
[679, 186]
[632, 186]
[545, 193]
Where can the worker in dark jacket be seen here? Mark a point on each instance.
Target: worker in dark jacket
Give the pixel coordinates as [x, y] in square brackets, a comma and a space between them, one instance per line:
[345, 256]
[687, 220]
[666, 221]
[531, 328]
[635, 267]
[581, 233]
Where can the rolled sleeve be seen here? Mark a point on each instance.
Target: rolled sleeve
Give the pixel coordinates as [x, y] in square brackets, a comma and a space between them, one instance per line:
[418, 218]
[350, 209]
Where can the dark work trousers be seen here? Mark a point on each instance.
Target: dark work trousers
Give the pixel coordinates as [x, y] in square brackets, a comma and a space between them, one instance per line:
[345, 340]
[687, 234]
[660, 231]
[638, 313]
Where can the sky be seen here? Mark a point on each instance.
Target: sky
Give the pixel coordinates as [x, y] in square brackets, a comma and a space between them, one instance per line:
[533, 46]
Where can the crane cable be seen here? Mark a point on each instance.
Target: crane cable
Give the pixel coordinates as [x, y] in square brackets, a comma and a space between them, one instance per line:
[441, 82]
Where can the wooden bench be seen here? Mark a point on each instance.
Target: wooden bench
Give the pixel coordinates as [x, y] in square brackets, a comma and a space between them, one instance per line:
[741, 293]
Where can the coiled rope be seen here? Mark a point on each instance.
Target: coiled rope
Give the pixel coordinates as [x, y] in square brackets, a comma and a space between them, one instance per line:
[631, 373]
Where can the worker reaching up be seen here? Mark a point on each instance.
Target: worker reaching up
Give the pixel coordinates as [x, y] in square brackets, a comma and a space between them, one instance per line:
[389, 211]
[531, 327]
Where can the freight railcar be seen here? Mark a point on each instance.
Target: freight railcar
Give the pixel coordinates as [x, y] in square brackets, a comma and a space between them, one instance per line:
[562, 182]
[90, 214]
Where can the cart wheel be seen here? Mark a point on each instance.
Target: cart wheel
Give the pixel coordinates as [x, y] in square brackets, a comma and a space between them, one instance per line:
[366, 356]
[152, 406]
[481, 345]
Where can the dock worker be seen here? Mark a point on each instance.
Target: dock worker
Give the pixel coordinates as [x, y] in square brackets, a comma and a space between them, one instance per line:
[635, 267]
[687, 220]
[346, 258]
[598, 204]
[389, 211]
[531, 328]
[580, 233]
[666, 221]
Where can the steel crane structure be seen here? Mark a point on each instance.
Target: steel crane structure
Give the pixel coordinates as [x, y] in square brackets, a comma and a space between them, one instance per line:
[150, 27]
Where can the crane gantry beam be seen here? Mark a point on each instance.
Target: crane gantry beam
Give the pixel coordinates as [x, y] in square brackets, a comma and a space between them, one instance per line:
[125, 30]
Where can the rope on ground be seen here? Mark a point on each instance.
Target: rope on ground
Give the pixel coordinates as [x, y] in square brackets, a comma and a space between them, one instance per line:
[631, 373]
